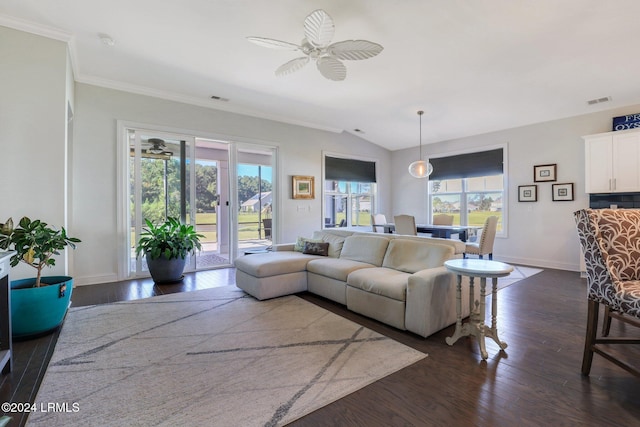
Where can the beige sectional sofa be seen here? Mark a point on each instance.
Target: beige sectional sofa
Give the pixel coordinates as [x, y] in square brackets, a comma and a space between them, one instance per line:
[398, 280]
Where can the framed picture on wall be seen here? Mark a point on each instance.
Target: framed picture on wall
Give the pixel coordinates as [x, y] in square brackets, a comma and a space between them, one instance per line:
[562, 192]
[544, 173]
[303, 187]
[528, 193]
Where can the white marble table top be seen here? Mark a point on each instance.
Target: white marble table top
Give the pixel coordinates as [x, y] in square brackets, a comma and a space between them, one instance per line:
[479, 267]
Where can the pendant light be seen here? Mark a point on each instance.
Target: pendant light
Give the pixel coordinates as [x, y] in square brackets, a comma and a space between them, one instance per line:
[420, 168]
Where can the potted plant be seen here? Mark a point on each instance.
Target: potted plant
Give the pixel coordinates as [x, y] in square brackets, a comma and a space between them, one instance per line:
[38, 305]
[165, 247]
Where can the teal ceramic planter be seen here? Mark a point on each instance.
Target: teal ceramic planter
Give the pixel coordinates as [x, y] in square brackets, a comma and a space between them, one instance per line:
[38, 311]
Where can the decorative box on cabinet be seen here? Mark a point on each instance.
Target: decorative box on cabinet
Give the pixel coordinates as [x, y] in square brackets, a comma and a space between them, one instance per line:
[5, 313]
[612, 162]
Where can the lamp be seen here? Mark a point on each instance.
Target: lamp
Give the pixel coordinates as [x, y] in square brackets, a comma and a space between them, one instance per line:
[420, 168]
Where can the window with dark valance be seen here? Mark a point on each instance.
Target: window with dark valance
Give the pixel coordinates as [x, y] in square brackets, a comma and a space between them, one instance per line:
[350, 170]
[469, 165]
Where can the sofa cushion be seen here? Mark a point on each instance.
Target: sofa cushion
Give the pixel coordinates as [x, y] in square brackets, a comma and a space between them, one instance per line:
[335, 268]
[315, 248]
[273, 263]
[381, 281]
[335, 242]
[300, 242]
[369, 249]
[412, 255]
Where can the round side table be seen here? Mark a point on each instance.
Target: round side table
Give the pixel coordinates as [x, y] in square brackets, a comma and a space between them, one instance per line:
[475, 326]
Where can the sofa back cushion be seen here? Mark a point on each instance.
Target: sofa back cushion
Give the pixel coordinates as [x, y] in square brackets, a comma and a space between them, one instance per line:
[335, 240]
[369, 249]
[412, 255]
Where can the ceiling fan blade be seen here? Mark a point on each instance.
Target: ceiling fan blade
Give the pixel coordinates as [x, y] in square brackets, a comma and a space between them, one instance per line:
[355, 49]
[331, 68]
[273, 44]
[292, 66]
[318, 28]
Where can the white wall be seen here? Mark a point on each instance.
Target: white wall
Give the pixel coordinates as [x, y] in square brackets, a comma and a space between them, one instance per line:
[94, 165]
[33, 88]
[541, 233]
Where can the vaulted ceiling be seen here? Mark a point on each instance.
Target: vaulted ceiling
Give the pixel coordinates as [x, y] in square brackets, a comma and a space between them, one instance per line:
[473, 66]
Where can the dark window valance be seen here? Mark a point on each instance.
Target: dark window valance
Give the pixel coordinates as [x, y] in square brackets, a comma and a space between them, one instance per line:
[469, 165]
[338, 169]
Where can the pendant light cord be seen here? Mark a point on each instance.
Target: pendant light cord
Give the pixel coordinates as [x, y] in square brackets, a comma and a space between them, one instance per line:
[420, 113]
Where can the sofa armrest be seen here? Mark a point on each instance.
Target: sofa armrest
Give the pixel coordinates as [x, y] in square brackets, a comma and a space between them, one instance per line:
[431, 300]
[283, 247]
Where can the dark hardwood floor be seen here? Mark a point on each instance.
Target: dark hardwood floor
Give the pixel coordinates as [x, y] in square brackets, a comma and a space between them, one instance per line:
[535, 382]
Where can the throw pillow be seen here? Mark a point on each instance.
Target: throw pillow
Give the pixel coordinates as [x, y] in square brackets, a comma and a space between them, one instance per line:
[315, 248]
[299, 246]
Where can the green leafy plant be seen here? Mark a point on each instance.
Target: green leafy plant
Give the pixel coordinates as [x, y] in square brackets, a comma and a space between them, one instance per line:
[35, 243]
[170, 239]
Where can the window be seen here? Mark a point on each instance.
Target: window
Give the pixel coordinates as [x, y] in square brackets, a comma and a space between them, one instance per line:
[470, 187]
[349, 192]
[348, 203]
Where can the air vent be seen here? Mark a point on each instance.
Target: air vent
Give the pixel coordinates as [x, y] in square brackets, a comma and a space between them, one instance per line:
[599, 100]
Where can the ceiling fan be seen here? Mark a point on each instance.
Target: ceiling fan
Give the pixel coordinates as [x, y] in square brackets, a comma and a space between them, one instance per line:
[157, 146]
[318, 32]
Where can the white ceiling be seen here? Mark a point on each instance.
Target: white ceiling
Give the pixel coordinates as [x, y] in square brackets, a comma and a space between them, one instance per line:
[473, 66]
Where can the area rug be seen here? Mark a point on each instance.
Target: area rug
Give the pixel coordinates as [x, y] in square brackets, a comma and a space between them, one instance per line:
[519, 273]
[214, 357]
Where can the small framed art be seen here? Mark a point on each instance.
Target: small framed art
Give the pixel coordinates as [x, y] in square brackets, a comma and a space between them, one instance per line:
[303, 187]
[544, 173]
[562, 192]
[527, 193]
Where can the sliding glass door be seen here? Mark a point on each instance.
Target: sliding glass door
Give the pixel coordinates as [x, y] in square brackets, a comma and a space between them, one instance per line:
[183, 177]
[225, 189]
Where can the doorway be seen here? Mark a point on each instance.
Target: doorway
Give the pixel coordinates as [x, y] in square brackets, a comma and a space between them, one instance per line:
[225, 189]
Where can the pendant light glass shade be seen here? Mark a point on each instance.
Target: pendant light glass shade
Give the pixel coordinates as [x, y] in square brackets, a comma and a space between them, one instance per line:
[420, 168]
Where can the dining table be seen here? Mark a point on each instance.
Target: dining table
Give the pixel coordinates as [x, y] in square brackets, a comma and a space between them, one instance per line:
[441, 231]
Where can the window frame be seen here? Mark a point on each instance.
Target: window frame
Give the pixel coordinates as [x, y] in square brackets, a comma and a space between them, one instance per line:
[349, 194]
[503, 232]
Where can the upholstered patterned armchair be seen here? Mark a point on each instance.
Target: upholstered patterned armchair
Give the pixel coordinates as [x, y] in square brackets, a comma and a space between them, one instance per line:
[610, 240]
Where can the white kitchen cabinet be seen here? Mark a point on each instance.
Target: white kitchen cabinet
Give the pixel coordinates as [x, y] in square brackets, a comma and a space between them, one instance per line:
[612, 162]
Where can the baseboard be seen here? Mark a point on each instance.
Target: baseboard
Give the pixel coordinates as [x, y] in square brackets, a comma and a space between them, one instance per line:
[541, 263]
[94, 280]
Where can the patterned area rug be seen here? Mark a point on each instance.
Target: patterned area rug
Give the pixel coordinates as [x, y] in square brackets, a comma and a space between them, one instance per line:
[519, 272]
[215, 357]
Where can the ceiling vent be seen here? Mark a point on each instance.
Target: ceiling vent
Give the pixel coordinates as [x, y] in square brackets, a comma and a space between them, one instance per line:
[599, 100]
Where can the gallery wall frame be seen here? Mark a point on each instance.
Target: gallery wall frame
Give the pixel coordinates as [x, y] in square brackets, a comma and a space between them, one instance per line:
[562, 192]
[545, 173]
[527, 193]
[303, 187]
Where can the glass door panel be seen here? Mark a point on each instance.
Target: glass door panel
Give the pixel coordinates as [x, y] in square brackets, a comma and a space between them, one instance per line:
[212, 202]
[255, 192]
[157, 186]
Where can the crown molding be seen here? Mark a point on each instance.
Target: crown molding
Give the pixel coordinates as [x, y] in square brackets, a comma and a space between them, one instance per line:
[33, 28]
[170, 96]
[67, 37]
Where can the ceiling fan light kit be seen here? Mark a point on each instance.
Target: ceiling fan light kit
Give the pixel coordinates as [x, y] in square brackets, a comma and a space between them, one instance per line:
[318, 32]
[420, 168]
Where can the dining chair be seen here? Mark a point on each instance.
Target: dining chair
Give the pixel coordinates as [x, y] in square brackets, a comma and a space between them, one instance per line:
[405, 224]
[484, 245]
[377, 221]
[442, 219]
[608, 238]
[267, 224]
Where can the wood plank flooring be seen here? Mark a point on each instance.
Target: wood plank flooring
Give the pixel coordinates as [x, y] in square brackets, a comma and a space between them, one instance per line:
[535, 382]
